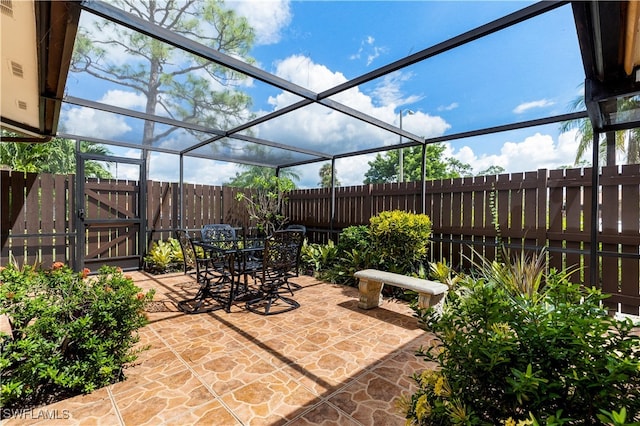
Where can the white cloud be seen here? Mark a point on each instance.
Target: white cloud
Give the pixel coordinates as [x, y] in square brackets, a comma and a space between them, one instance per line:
[450, 107]
[526, 106]
[322, 129]
[124, 99]
[90, 122]
[369, 49]
[538, 151]
[301, 70]
[389, 90]
[327, 128]
[267, 17]
[350, 171]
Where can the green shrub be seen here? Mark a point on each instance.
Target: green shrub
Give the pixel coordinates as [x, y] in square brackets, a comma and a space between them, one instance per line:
[354, 238]
[70, 333]
[164, 256]
[400, 240]
[395, 241]
[509, 354]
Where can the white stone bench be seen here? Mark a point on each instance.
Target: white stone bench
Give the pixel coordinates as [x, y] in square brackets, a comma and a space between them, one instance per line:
[430, 293]
[5, 325]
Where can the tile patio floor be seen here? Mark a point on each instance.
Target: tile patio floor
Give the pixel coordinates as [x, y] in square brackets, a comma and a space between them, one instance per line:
[326, 363]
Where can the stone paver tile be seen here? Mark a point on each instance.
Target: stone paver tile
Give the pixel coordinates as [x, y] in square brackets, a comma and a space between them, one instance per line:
[225, 372]
[289, 348]
[390, 338]
[212, 413]
[153, 364]
[160, 400]
[323, 414]
[271, 400]
[93, 409]
[371, 400]
[198, 350]
[320, 336]
[327, 370]
[187, 329]
[366, 352]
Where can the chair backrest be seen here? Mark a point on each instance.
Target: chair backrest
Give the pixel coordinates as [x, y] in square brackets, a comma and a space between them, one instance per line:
[188, 253]
[282, 252]
[219, 233]
[298, 227]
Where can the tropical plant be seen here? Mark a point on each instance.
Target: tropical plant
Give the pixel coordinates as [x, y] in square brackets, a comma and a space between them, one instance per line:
[326, 178]
[266, 201]
[57, 156]
[625, 141]
[318, 257]
[513, 353]
[395, 241]
[70, 333]
[164, 256]
[443, 273]
[356, 237]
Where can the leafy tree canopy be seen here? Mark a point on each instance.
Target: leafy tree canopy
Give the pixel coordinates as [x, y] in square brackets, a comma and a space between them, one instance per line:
[174, 83]
[491, 170]
[325, 176]
[255, 176]
[385, 168]
[626, 142]
[56, 156]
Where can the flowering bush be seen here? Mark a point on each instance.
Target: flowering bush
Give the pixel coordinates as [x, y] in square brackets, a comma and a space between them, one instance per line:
[510, 355]
[70, 333]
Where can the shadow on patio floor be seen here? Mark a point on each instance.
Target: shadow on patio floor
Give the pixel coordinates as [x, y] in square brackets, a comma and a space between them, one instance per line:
[327, 362]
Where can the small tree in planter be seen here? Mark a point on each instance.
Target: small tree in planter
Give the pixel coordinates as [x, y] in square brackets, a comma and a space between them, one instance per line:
[266, 200]
[70, 333]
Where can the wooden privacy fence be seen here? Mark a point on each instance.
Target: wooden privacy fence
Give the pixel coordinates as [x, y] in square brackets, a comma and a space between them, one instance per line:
[534, 209]
[538, 209]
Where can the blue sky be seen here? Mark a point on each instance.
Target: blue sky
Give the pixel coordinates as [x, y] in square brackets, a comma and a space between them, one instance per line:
[528, 71]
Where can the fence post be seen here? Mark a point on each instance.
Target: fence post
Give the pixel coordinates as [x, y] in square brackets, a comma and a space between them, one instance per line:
[543, 208]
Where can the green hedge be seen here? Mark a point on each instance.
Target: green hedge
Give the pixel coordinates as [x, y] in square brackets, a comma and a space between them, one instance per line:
[70, 333]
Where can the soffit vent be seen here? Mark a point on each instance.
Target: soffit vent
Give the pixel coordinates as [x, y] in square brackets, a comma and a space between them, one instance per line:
[22, 105]
[6, 7]
[17, 69]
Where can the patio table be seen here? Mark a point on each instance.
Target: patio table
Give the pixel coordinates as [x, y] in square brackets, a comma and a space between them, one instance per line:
[242, 257]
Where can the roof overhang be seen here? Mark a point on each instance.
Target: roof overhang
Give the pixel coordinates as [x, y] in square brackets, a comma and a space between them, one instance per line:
[609, 36]
[37, 45]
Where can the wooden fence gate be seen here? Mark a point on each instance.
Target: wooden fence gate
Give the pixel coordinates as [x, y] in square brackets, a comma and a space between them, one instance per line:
[111, 216]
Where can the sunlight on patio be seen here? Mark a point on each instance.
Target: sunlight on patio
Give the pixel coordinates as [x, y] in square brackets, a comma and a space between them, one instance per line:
[327, 362]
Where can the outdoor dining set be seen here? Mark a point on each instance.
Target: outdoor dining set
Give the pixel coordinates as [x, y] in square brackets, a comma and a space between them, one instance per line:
[232, 265]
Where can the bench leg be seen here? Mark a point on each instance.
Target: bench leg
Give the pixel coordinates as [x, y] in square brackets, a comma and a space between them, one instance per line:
[370, 294]
[426, 300]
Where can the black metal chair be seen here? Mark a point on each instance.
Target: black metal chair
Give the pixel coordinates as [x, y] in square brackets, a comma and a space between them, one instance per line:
[297, 227]
[280, 259]
[238, 263]
[188, 255]
[215, 289]
[218, 232]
